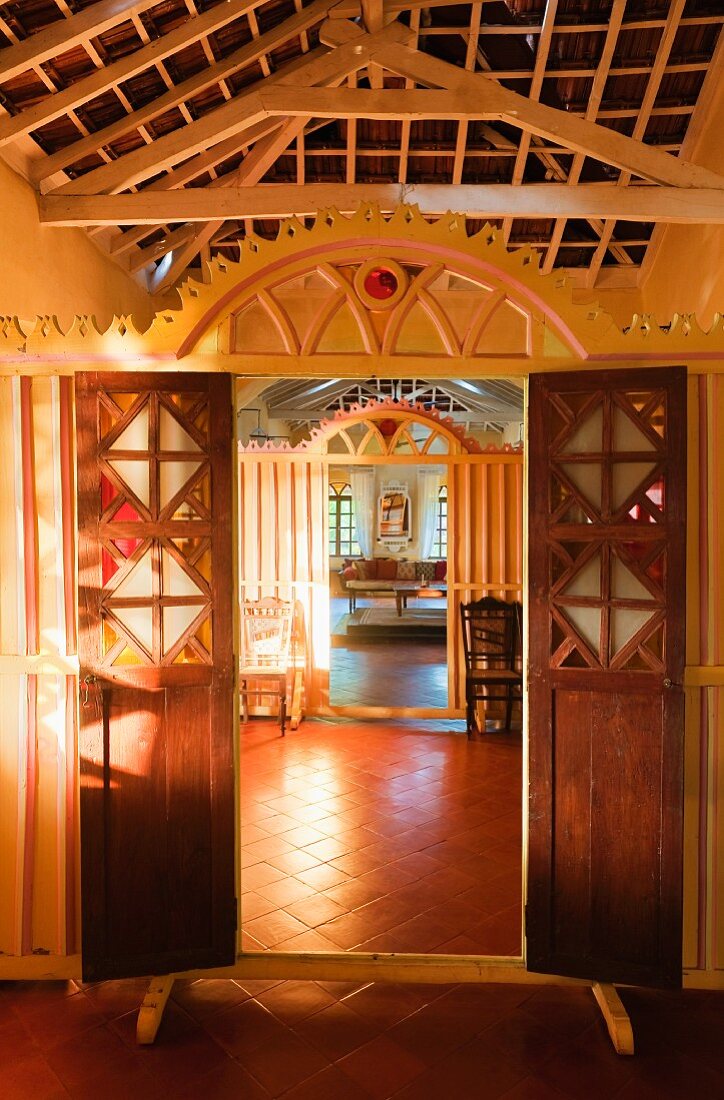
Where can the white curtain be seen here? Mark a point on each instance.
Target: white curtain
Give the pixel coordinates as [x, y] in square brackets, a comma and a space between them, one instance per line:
[428, 487]
[362, 484]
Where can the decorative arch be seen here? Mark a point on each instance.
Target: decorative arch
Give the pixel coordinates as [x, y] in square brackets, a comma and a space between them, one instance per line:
[520, 317]
[380, 429]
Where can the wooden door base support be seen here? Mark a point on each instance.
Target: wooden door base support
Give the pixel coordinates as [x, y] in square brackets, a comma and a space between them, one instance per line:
[150, 1013]
[616, 1017]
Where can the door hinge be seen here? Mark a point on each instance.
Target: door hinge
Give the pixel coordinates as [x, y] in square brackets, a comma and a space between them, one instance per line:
[235, 914]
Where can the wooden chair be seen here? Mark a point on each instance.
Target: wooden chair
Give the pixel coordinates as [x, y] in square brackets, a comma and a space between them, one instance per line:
[492, 643]
[266, 637]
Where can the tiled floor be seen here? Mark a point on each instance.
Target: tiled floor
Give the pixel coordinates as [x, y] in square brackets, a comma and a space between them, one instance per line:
[399, 672]
[380, 837]
[329, 1041]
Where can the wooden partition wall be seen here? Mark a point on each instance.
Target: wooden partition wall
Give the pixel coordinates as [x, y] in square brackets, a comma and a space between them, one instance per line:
[38, 681]
[283, 543]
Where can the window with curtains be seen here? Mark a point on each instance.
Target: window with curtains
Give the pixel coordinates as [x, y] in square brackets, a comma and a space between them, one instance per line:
[342, 535]
[439, 544]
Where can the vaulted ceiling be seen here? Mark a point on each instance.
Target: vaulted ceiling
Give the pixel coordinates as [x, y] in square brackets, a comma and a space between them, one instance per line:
[173, 130]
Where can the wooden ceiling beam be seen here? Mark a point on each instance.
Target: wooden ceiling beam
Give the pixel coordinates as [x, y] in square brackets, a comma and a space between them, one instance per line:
[193, 30]
[63, 35]
[594, 102]
[187, 89]
[579, 135]
[684, 206]
[536, 85]
[663, 52]
[231, 118]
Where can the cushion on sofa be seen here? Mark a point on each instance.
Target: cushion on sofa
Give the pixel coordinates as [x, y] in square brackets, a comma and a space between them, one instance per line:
[367, 569]
[350, 573]
[440, 571]
[386, 569]
[425, 570]
[407, 570]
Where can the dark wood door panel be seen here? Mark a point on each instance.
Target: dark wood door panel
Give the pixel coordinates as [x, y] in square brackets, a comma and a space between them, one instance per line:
[157, 659]
[607, 528]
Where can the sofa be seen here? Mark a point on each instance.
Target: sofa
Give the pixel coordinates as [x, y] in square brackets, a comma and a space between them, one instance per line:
[373, 577]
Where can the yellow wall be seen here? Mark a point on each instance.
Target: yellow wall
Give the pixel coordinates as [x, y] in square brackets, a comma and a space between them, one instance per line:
[57, 271]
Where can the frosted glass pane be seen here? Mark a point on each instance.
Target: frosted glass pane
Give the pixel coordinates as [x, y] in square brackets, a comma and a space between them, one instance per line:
[588, 436]
[624, 585]
[172, 436]
[176, 581]
[174, 475]
[138, 621]
[439, 446]
[625, 623]
[587, 621]
[626, 435]
[134, 472]
[139, 581]
[586, 476]
[627, 476]
[373, 445]
[135, 436]
[176, 621]
[587, 582]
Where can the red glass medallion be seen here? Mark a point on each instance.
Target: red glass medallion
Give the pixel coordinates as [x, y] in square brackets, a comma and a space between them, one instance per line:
[381, 283]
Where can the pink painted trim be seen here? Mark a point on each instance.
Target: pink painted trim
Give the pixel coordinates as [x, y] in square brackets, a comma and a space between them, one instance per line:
[68, 512]
[70, 813]
[31, 771]
[454, 257]
[30, 536]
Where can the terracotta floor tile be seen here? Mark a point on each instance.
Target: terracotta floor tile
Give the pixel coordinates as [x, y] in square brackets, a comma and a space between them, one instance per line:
[315, 910]
[286, 891]
[337, 1031]
[311, 940]
[245, 1027]
[323, 876]
[32, 1077]
[295, 1001]
[284, 1062]
[259, 875]
[229, 1081]
[291, 863]
[382, 1067]
[206, 996]
[85, 1056]
[274, 927]
[330, 1084]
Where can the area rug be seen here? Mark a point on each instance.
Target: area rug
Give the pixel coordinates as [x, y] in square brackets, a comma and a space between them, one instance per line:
[384, 622]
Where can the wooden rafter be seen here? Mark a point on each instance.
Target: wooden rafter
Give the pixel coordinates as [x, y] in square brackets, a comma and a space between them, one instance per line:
[684, 206]
[203, 125]
[665, 46]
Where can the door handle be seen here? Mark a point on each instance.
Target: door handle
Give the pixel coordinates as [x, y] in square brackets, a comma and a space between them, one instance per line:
[670, 683]
[87, 681]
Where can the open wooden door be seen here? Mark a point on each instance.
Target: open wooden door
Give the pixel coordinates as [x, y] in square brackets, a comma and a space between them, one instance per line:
[156, 591]
[607, 491]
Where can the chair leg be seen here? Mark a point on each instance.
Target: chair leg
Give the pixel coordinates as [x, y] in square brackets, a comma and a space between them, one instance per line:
[470, 716]
[283, 712]
[509, 710]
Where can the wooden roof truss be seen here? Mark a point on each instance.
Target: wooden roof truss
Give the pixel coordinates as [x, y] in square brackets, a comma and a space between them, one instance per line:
[187, 125]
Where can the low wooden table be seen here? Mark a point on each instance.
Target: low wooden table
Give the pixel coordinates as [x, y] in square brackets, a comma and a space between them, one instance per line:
[418, 589]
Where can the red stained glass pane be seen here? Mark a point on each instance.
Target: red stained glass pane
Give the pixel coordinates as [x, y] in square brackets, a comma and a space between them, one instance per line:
[127, 546]
[381, 283]
[108, 492]
[108, 566]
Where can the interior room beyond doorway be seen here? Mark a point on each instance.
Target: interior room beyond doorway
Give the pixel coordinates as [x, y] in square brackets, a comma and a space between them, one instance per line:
[399, 834]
